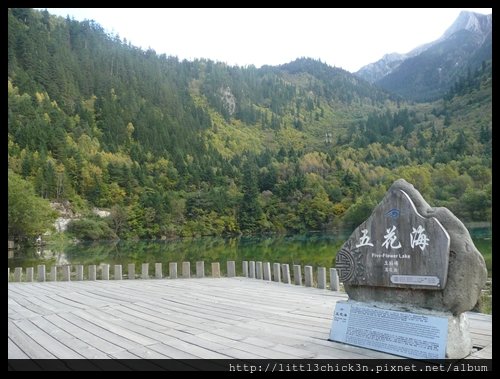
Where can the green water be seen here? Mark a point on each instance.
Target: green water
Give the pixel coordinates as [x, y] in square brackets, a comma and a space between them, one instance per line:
[313, 249]
[316, 249]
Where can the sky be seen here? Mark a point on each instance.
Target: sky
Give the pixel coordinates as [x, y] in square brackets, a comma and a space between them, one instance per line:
[346, 38]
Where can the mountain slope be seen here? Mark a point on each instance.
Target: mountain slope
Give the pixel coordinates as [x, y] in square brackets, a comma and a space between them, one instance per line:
[428, 71]
[377, 70]
[180, 148]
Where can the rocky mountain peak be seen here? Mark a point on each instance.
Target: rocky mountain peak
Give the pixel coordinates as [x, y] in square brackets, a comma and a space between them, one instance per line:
[474, 22]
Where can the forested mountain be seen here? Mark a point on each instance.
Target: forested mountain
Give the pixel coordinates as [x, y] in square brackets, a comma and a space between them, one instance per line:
[428, 71]
[185, 148]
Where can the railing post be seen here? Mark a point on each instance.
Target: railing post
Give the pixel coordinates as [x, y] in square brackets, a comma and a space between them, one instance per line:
[231, 269]
[53, 273]
[322, 277]
[105, 271]
[66, 269]
[276, 272]
[258, 270]
[172, 270]
[18, 274]
[308, 271]
[200, 269]
[29, 274]
[79, 272]
[267, 271]
[334, 280]
[251, 270]
[145, 271]
[215, 270]
[118, 273]
[186, 269]
[297, 275]
[92, 272]
[41, 273]
[158, 271]
[131, 271]
[285, 268]
[245, 269]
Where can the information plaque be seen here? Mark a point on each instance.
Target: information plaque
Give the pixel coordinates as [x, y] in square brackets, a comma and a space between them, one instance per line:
[406, 334]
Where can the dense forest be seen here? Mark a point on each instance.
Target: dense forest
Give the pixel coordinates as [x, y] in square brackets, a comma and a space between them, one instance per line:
[188, 148]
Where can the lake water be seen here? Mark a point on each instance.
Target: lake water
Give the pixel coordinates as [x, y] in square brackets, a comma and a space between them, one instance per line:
[315, 249]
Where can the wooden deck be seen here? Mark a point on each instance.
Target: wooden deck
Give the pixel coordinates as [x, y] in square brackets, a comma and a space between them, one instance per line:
[185, 318]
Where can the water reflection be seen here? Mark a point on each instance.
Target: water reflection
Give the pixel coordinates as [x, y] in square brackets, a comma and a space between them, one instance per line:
[316, 249]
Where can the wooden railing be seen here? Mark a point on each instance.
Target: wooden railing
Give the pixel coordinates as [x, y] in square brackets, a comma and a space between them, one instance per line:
[250, 269]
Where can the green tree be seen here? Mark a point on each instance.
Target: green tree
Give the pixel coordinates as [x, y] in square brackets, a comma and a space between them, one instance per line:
[250, 211]
[29, 215]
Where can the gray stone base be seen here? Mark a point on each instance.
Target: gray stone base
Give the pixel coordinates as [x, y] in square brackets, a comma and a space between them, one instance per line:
[459, 342]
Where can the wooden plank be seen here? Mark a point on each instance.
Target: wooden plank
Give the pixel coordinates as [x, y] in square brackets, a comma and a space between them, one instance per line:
[171, 351]
[93, 338]
[105, 334]
[148, 353]
[484, 353]
[191, 318]
[156, 330]
[17, 311]
[179, 323]
[63, 302]
[75, 342]
[28, 345]
[14, 352]
[89, 315]
[46, 304]
[243, 349]
[38, 309]
[48, 342]
[83, 299]
[105, 296]
[136, 325]
[31, 289]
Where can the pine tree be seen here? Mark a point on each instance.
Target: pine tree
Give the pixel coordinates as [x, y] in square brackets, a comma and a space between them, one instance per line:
[250, 211]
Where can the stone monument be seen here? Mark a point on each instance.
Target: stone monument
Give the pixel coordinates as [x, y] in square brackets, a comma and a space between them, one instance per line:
[415, 265]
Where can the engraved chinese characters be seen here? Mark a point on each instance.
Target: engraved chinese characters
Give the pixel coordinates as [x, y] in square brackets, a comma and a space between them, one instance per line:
[396, 247]
[409, 257]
